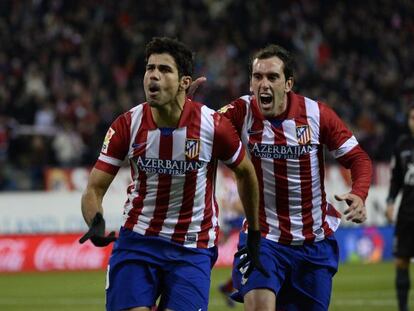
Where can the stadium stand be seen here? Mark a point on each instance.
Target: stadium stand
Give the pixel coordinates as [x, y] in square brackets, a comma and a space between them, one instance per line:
[68, 68]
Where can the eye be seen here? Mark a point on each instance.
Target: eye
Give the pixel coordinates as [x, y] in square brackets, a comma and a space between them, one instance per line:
[165, 69]
[257, 76]
[273, 77]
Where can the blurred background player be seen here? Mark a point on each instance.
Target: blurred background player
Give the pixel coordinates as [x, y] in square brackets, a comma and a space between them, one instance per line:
[402, 179]
[167, 245]
[285, 134]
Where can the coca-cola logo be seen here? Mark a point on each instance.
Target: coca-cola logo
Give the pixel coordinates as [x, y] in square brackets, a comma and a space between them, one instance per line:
[12, 254]
[51, 255]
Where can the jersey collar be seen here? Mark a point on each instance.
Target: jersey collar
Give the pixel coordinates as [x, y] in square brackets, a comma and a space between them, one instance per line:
[185, 118]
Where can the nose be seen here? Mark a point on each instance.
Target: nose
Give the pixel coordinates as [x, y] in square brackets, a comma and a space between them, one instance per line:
[265, 85]
[154, 75]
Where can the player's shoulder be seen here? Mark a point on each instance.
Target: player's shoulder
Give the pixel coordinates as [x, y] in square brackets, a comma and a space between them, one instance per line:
[322, 105]
[209, 115]
[236, 105]
[125, 117]
[306, 104]
[204, 109]
[200, 106]
[325, 109]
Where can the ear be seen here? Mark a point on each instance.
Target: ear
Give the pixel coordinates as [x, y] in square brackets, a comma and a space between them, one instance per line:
[250, 87]
[289, 84]
[185, 82]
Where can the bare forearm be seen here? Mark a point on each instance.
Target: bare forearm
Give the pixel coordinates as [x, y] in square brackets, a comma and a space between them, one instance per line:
[249, 192]
[92, 198]
[91, 204]
[249, 195]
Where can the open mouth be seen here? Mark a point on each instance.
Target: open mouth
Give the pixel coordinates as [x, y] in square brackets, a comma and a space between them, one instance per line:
[266, 99]
[153, 88]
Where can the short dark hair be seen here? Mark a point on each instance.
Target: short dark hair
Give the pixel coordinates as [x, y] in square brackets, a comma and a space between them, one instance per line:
[273, 50]
[182, 55]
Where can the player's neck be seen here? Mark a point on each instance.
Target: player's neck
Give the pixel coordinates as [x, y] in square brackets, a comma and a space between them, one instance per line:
[169, 114]
[281, 108]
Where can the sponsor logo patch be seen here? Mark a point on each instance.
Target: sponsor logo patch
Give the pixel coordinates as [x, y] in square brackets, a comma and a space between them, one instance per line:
[271, 151]
[168, 167]
[107, 139]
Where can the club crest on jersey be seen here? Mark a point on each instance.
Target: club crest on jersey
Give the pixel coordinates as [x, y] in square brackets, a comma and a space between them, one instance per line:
[107, 139]
[303, 134]
[192, 148]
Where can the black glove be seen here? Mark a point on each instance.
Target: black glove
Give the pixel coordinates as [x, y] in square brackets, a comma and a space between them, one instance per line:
[251, 254]
[96, 233]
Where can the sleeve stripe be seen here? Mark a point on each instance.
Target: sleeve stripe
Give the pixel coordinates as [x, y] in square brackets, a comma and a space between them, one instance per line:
[345, 148]
[109, 160]
[235, 156]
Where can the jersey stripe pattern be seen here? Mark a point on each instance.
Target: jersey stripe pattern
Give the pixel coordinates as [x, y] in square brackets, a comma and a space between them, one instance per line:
[173, 171]
[287, 154]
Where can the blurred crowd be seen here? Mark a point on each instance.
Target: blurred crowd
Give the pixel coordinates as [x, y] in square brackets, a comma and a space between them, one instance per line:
[68, 68]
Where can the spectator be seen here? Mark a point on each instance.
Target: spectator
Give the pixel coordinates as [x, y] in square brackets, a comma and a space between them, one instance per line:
[67, 52]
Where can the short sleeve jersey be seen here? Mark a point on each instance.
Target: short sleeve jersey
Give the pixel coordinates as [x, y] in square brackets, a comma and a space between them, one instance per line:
[173, 171]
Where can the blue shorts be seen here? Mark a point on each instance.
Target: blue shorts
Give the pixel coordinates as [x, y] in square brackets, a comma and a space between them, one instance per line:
[300, 276]
[143, 268]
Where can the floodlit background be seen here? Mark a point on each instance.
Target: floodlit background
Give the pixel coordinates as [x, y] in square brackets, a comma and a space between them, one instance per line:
[68, 68]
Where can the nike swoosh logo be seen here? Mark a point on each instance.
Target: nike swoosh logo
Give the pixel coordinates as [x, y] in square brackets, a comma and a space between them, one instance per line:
[251, 132]
[135, 146]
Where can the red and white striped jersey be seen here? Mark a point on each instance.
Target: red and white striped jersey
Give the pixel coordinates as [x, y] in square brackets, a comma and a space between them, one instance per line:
[287, 153]
[173, 171]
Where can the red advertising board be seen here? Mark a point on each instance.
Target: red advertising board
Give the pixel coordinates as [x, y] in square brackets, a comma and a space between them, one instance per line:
[22, 253]
[50, 252]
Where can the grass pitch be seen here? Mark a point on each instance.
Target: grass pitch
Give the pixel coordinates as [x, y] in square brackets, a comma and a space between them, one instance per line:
[357, 287]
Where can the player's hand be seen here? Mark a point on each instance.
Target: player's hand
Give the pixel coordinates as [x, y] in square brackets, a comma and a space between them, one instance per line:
[96, 233]
[389, 213]
[356, 211]
[250, 255]
[194, 86]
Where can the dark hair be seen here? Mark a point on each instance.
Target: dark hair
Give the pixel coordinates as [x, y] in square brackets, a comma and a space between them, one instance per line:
[181, 53]
[410, 108]
[273, 50]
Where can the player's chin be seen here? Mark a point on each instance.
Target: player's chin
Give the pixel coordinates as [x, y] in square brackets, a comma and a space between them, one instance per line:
[154, 102]
[267, 112]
